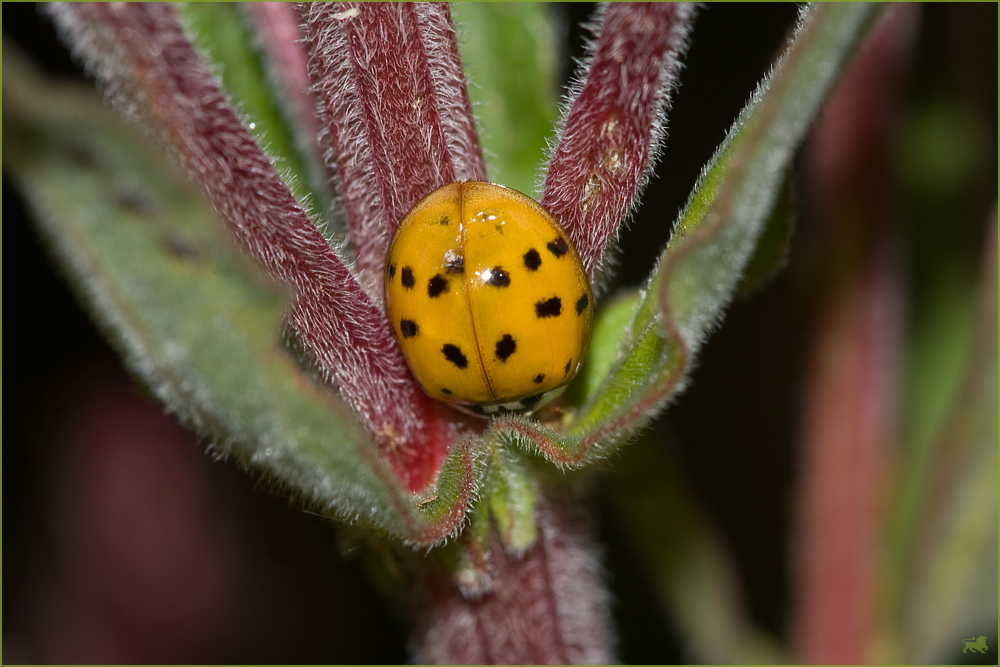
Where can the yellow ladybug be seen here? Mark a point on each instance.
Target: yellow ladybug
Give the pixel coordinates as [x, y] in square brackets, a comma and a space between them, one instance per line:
[488, 298]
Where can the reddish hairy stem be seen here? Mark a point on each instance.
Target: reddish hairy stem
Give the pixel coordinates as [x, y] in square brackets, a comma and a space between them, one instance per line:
[615, 123]
[548, 607]
[396, 111]
[849, 413]
[142, 54]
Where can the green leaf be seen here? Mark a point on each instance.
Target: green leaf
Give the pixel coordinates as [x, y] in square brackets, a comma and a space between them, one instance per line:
[509, 50]
[772, 247]
[720, 226]
[442, 510]
[193, 320]
[715, 236]
[610, 322]
[957, 587]
[938, 354]
[219, 31]
[646, 357]
[468, 557]
[512, 492]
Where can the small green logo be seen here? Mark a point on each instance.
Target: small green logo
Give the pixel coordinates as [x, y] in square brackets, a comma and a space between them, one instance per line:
[976, 644]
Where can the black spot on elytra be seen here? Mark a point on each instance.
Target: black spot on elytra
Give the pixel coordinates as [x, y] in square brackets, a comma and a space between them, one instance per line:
[549, 308]
[581, 304]
[538, 379]
[453, 354]
[391, 271]
[406, 277]
[566, 370]
[446, 391]
[558, 247]
[455, 265]
[498, 277]
[437, 286]
[408, 328]
[532, 260]
[506, 347]
[443, 221]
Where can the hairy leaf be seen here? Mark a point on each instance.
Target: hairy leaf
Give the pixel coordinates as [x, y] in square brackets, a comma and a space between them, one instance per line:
[614, 122]
[396, 112]
[712, 242]
[513, 492]
[199, 327]
[153, 74]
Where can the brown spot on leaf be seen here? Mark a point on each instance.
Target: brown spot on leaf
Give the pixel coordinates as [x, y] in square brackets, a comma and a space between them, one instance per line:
[612, 160]
[590, 192]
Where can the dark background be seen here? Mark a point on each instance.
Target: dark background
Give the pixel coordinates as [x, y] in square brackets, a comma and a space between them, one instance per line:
[301, 601]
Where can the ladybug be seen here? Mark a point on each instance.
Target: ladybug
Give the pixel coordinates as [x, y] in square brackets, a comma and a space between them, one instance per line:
[488, 299]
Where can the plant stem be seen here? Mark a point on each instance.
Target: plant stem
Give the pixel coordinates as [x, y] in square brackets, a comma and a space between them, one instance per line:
[549, 607]
[849, 407]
